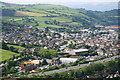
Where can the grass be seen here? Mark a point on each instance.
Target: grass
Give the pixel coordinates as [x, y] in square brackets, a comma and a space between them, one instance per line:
[41, 11]
[31, 13]
[16, 19]
[62, 19]
[55, 26]
[45, 25]
[49, 6]
[15, 46]
[114, 16]
[5, 54]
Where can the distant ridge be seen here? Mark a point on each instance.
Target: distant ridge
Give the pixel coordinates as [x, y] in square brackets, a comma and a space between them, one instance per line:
[45, 15]
[95, 6]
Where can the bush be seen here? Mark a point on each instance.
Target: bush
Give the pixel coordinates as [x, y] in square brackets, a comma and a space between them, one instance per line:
[62, 66]
[52, 68]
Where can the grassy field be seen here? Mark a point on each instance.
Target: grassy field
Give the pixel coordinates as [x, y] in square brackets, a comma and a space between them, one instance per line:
[62, 19]
[41, 12]
[5, 54]
[31, 13]
[9, 18]
[49, 6]
[17, 19]
[18, 47]
[55, 26]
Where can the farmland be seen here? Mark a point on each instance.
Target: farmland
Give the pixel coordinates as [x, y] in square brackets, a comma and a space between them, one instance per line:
[30, 13]
[59, 13]
[62, 19]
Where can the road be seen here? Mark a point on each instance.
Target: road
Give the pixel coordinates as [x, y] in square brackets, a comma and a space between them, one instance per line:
[71, 68]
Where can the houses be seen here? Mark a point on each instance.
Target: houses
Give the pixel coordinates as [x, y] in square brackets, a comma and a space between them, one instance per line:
[33, 62]
[58, 42]
[54, 61]
[43, 38]
[76, 51]
[22, 64]
[29, 65]
[28, 68]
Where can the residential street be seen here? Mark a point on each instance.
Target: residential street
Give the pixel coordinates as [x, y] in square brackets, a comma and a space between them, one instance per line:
[73, 67]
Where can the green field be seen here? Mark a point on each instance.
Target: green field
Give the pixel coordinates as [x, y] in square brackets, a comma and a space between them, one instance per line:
[47, 12]
[5, 54]
[30, 13]
[62, 19]
[41, 11]
[55, 26]
[17, 19]
[15, 46]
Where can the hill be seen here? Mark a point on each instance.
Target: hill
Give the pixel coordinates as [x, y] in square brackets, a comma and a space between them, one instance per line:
[48, 15]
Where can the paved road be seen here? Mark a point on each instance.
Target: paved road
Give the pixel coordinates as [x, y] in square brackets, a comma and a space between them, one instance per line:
[72, 67]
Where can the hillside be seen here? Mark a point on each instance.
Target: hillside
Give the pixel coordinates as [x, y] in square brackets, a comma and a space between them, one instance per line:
[6, 54]
[47, 15]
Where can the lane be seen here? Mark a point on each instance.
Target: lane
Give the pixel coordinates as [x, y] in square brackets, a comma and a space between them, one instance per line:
[72, 67]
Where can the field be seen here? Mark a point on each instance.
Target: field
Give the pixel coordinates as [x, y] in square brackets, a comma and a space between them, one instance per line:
[62, 19]
[17, 19]
[55, 26]
[31, 13]
[41, 12]
[47, 12]
[18, 47]
[49, 7]
[7, 54]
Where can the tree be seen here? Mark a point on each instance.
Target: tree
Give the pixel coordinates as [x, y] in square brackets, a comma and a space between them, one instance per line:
[6, 69]
[11, 48]
[15, 50]
[13, 70]
[22, 44]
[45, 53]
[53, 53]
[56, 75]
[71, 46]
[75, 74]
[62, 65]
[44, 62]
[86, 46]
[56, 35]
[97, 67]
[10, 63]
[4, 45]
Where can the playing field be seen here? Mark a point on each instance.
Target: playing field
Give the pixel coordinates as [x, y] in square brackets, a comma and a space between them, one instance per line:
[5, 54]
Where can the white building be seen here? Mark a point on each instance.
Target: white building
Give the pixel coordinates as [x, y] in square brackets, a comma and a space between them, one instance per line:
[68, 60]
[35, 62]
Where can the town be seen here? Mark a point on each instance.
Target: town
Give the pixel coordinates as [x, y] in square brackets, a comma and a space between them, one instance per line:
[47, 49]
[65, 40]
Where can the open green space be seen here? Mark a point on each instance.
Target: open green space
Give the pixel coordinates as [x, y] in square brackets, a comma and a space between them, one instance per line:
[15, 46]
[5, 54]
[47, 12]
